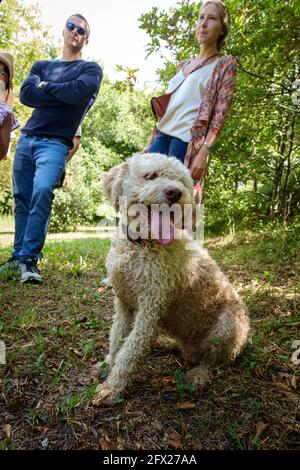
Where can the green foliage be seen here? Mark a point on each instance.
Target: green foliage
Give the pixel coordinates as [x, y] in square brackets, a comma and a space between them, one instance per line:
[179, 380]
[254, 169]
[80, 201]
[5, 200]
[67, 405]
[120, 120]
[23, 36]
[69, 208]
[118, 125]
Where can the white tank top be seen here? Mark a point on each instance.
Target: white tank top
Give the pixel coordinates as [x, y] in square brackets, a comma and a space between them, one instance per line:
[185, 102]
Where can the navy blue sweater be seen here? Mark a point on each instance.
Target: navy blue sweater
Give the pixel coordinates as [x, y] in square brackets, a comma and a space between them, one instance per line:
[71, 89]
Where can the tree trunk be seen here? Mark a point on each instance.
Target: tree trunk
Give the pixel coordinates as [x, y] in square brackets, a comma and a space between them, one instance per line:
[279, 169]
[285, 195]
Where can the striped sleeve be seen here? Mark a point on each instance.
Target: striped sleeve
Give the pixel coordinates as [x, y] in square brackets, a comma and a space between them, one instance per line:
[224, 96]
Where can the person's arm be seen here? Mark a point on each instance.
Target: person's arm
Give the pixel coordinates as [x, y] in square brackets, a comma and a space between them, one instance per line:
[224, 97]
[5, 131]
[219, 116]
[200, 161]
[31, 95]
[75, 91]
[76, 144]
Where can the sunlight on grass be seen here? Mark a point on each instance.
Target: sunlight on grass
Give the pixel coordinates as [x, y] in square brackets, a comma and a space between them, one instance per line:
[56, 331]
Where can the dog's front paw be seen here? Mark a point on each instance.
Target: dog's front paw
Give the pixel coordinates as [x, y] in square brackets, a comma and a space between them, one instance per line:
[104, 395]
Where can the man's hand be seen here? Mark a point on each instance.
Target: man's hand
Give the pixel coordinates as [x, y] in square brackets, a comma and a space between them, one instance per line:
[5, 131]
[76, 143]
[199, 164]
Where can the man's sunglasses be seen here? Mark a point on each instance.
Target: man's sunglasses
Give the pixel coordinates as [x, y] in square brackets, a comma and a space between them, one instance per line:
[71, 26]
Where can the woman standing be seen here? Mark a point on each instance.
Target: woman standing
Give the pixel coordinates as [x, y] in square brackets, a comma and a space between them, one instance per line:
[198, 108]
[7, 119]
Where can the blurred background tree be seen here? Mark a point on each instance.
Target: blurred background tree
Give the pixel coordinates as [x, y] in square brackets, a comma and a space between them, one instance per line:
[254, 171]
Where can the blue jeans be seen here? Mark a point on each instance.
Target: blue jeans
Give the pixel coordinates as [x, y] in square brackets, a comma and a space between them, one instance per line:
[168, 145]
[37, 167]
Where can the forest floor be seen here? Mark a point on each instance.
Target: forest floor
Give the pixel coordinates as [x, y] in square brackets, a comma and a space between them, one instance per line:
[56, 331]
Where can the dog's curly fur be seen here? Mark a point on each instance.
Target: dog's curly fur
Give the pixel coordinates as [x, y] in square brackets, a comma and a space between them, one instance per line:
[166, 288]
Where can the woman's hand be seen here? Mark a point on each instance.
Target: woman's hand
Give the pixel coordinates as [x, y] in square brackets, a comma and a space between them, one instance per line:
[5, 131]
[199, 164]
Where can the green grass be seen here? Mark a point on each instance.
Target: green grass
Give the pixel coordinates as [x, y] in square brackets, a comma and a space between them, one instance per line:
[6, 221]
[56, 331]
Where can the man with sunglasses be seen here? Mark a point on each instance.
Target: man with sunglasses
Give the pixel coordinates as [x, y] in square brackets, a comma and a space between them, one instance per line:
[61, 92]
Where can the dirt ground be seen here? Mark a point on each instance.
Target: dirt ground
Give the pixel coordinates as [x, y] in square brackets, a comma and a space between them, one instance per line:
[54, 333]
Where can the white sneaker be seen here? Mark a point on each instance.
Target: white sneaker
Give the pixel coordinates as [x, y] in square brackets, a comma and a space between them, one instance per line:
[106, 282]
[29, 271]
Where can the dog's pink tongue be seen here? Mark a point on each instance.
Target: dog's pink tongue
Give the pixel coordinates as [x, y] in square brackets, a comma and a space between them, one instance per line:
[157, 231]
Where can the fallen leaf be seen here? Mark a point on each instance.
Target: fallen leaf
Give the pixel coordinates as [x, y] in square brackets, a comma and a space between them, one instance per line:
[196, 444]
[7, 429]
[76, 352]
[139, 446]
[107, 444]
[27, 345]
[86, 380]
[241, 432]
[42, 429]
[175, 440]
[77, 424]
[120, 443]
[187, 405]
[164, 382]
[260, 428]
[294, 382]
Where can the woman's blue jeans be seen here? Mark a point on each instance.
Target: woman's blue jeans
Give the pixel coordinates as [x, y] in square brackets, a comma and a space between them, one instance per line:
[168, 145]
[37, 167]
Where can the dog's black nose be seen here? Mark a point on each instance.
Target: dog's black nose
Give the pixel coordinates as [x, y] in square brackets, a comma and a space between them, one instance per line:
[173, 194]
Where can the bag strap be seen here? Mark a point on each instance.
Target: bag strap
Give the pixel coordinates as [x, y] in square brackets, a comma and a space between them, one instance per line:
[194, 70]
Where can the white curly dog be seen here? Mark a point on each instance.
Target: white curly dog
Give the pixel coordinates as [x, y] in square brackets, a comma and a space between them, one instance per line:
[160, 286]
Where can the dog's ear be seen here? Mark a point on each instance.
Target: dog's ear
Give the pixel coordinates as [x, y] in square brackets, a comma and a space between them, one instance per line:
[112, 183]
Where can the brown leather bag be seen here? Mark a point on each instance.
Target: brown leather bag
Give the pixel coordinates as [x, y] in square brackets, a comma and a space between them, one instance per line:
[160, 103]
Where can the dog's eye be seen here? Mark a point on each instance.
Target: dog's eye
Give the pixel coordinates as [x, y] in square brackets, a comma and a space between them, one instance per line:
[151, 176]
